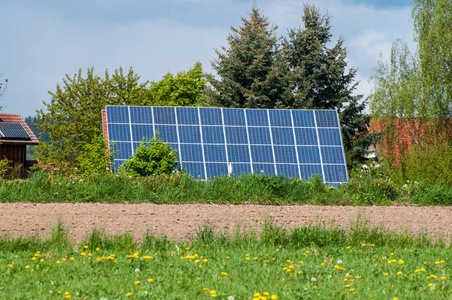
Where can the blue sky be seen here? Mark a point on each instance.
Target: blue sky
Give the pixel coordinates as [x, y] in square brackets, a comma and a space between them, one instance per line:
[42, 41]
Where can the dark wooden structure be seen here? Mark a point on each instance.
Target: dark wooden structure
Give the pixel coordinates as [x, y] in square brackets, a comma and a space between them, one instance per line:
[16, 149]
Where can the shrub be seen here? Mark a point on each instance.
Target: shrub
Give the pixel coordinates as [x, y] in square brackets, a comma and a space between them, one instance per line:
[153, 157]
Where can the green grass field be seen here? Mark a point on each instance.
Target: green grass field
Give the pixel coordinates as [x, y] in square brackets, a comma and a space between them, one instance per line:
[314, 262]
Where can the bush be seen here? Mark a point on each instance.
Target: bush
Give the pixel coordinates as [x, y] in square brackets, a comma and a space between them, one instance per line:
[430, 164]
[153, 157]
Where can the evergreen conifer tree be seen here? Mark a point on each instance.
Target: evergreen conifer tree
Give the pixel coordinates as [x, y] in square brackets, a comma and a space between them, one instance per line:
[321, 80]
[252, 71]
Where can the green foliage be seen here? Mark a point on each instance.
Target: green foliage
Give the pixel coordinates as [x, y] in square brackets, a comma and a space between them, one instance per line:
[252, 70]
[432, 25]
[432, 165]
[153, 157]
[73, 117]
[94, 158]
[184, 89]
[5, 165]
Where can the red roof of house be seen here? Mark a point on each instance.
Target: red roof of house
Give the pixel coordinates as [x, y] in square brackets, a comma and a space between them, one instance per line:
[13, 118]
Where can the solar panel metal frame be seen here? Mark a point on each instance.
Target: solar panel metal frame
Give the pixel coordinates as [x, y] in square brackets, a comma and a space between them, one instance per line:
[307, 133]
[14, 131]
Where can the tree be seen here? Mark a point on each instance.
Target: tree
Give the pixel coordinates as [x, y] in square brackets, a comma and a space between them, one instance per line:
[433, 33]
[321, 80]
[412, 94]
[184, 89]
[252, 72]
[73, 117]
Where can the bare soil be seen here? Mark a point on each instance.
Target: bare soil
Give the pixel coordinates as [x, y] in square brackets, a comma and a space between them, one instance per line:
[180, 222]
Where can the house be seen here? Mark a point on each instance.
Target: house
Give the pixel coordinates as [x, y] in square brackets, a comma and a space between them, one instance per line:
[15, 135]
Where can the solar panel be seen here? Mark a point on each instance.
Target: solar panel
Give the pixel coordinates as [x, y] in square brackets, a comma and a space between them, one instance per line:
[13, 131]
[293, 143]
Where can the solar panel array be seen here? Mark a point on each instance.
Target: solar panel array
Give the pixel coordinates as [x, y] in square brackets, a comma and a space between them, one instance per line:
[13, 131]
[293, 143]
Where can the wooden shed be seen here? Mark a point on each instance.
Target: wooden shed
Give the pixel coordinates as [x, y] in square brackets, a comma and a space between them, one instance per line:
[15, 135]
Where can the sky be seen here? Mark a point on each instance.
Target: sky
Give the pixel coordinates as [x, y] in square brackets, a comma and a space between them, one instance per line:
[42, 41]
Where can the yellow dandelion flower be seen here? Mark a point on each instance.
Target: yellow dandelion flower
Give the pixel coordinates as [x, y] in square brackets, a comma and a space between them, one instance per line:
[443, 278]
[205, 260]
[58, 261]
[129, 294]
[348, 247]
[137, 282]
[347, 286]
[386, 274]
[352, 289]
[399, 273]
[197, 261]
[430, 284]
[27, 267]
[248, 258]
[274, 297]
[150, 280]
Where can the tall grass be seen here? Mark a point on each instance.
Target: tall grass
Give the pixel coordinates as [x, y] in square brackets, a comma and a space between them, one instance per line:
[362, 189]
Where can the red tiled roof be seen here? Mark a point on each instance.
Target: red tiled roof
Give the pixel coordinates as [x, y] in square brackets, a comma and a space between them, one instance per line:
[13, 118]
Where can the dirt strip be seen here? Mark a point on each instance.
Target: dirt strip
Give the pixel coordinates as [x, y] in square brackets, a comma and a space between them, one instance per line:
[181, 221]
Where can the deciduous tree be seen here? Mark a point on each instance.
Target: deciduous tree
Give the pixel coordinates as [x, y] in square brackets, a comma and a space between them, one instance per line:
[73, 117]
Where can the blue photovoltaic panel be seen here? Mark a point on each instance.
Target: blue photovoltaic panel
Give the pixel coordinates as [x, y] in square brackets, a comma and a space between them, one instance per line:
[164, 115]
[236, 135]
[326, 118]
[140, 115]
[13, 131]
[190, 134]
[257, 117]
[118, 114]
[187, 116]
[259, 135]
[293, 143]
[213, 135]
[234, 117]
[279, 117]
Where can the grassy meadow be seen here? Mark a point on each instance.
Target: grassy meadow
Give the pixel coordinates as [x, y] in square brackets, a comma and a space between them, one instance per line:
[314, 262]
